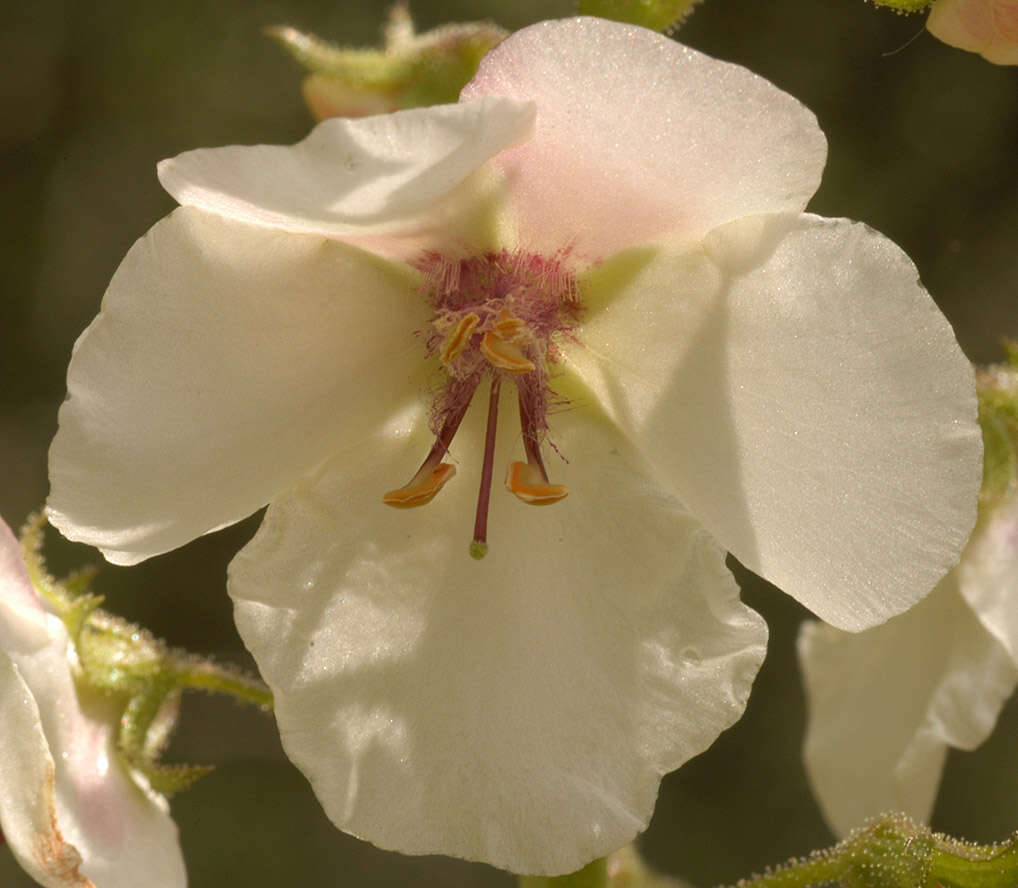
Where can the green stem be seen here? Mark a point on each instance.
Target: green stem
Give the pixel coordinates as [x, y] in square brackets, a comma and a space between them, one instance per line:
[799, 874]
[894, 852]
[204, 676]
[976, 867]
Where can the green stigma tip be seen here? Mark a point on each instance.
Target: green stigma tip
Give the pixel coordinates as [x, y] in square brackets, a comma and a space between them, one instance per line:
[478, 550]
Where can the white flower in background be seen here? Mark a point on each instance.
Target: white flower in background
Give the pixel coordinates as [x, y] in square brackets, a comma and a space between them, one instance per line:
[605, 237]
[885, 704]
[70, 811]
[989, 27]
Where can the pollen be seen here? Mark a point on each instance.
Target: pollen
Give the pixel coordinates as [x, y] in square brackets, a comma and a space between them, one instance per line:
[505, 355]
[422, 488]
[458, 339]
[507, 325]
[527, 483]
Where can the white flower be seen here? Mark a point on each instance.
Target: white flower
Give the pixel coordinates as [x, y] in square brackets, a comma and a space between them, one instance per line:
[609, 224]
[69, 809]
[885, 704]
[989, 27]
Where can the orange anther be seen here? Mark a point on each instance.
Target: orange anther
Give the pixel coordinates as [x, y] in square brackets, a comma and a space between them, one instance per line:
[422, 488]
[504, 355]
[507, 325]
[456, 341]
[525, 481]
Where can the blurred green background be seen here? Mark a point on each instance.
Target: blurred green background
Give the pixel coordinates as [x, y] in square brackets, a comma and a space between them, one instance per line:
[923, 146]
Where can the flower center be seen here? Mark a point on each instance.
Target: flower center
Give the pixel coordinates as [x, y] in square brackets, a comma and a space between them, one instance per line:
[496, 316]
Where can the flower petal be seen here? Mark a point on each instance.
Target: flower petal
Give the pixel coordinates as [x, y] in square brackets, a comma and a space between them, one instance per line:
[227, 361]
[71, 815]
[805, 397]
[518, 710]
[350, 176]
[638, 136]
[885, 704]
[988, 574]
[989, 27]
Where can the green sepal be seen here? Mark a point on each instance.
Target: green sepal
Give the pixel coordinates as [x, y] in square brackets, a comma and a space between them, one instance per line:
[119, 657]
[78, 611]
[997, 386]
[593, 875]
[658, 15]
[621, 869]
[894, 852]
[130, 673]
[156, 701]
[411, 70]
[168, 779]
[904, 6]
[1011, 350]
[365, 67]
[145, 728]
[1000, 462]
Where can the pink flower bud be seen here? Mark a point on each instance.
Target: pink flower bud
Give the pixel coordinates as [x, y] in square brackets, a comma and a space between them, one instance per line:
[989, 27]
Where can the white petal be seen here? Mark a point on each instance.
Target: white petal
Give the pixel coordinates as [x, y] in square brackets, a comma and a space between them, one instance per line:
[23, 624]
[988, 574]
[350, 176]
[885, 704]
[638, 135]
[71, 815]
[806, 399]
[27, 807]
[518, 710]
[227, 361]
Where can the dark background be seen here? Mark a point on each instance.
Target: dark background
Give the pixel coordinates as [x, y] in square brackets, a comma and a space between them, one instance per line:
[923, 146]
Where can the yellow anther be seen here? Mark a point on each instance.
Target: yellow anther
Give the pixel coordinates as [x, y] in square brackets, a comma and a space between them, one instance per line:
[504, 355]
[526, 482]
[422, 488]
[456, 341]
[507, 325]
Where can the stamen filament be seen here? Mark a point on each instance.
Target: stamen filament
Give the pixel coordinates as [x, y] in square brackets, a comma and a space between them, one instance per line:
[479, 546]
[531, 444]
[433, 473]
[529, 481]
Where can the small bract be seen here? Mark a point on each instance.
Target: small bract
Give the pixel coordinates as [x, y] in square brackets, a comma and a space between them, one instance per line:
[592, 278]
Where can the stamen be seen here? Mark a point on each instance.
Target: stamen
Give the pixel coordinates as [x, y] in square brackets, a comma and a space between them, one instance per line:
[504, 355]
[526, 481]
[433, 474]
[507, 325]
[422, 488]
[479, 545]
[458, 340]
[529, 481]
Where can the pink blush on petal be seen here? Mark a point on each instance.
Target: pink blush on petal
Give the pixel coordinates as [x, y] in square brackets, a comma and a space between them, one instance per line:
[1005, 19]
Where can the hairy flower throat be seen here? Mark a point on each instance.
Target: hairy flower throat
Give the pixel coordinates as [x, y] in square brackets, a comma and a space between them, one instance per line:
[496, 316]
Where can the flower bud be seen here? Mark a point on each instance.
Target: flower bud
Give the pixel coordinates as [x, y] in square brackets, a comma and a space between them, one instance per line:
[892, 852]
[658, 15]
[989, 27]
[904, 5]
[411, 69]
